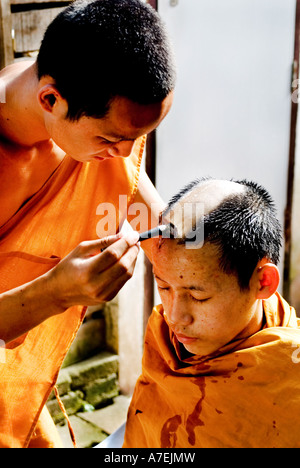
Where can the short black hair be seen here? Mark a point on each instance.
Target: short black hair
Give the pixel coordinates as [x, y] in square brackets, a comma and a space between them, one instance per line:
[244, 227]
[97, 50]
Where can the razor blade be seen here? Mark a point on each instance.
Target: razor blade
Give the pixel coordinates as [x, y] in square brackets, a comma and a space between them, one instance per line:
[164, 230]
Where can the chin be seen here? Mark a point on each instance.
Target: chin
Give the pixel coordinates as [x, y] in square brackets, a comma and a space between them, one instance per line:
[200, 350]
[80, 158]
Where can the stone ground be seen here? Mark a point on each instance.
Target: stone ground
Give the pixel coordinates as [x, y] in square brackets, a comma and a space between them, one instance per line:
[91, 428]
[90, 393]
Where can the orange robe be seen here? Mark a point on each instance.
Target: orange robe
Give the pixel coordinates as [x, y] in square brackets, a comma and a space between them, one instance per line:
[245, 396]
[64, 212]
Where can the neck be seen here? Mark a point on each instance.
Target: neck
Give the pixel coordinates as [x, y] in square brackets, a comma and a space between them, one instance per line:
[21, 118]
[255, 323]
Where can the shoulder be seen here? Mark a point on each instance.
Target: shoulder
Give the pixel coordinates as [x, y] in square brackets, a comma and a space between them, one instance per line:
[14, 69]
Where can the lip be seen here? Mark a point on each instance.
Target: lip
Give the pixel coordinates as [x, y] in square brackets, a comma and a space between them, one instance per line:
[185, 339]
[103, 158]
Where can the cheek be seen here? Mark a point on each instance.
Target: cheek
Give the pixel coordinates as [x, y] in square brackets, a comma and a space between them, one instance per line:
[60, 133]
[224, 320]
[215, 317]
[76, 143]
[206, 319]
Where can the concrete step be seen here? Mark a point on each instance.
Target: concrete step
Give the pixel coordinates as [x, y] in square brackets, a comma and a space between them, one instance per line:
[110, 418]
[89, 384]
[92, 428]
[89, 370]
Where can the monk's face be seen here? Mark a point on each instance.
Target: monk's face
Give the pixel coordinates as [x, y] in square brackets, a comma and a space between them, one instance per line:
[112, 136]
[204, 306]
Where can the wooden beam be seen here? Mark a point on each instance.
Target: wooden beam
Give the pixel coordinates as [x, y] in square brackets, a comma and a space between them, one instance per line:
[34, 2]
[291, 170]
[30, 26]
[150, 167]
[6, 43]
[153, 3]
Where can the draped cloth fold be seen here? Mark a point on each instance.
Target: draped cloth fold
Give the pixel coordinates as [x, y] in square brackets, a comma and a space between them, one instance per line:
[247, 395]
[64, 212]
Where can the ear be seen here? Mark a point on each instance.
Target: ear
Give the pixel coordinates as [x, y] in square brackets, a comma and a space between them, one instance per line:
[51, 100]
[268, 279]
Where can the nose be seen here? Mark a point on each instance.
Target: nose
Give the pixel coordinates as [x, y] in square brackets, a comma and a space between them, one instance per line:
[177, 313]
[122, 148]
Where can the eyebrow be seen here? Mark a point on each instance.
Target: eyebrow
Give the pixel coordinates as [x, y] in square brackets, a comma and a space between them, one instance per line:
[116, 136]
[195, 288]
[157, 277]
[189, 288]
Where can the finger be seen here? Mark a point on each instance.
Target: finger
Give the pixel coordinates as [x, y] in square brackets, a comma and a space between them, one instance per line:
[105, 286]
[94, 247]
[105, 280]
[125, 265]
[113, 254]
[111, 293]
[117, 281]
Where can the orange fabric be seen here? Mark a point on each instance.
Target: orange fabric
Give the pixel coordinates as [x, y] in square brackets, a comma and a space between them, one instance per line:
[245, 396]
[45, 433]
[45, 229]
[63, 410]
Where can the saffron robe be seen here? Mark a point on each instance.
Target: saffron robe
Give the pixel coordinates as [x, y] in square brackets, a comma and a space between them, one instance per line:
[247, 395]
[67, 210]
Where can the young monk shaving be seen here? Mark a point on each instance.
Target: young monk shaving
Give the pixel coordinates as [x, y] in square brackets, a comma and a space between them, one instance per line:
[218, 366]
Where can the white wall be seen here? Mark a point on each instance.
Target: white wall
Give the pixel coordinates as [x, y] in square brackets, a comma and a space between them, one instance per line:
[231, 114]
[295, 250]
[230, 118]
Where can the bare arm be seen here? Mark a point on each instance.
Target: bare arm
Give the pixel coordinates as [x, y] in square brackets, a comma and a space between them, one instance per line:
[148, 196]
[87, 276]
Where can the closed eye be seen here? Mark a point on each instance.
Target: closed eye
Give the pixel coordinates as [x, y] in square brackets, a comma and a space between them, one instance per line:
[200, 300]
[108, 142]
[104, 140]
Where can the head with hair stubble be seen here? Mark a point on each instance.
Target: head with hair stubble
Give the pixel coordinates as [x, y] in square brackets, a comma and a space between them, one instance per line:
[107, 76]
[212, 294]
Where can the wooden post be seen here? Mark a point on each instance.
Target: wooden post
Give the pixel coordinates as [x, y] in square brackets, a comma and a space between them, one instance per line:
[6, 43]
[291, 170]
[153, 3]
[150, 167]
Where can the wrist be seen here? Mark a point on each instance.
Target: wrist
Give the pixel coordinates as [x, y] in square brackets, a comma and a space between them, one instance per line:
[48, 295]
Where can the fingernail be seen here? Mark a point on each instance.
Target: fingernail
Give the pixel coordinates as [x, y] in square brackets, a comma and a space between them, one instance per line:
[132, 237]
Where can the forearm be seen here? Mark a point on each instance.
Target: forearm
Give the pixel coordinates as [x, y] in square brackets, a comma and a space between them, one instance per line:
[91, 274]
[148, 196]
[25, 307]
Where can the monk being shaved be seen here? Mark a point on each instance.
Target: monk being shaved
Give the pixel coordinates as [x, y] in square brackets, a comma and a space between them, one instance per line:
[73, 126]
[219, 365]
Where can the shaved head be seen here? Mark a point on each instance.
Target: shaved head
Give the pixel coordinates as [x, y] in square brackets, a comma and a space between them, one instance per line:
[212, 193]
[199, 201]
[238, 217]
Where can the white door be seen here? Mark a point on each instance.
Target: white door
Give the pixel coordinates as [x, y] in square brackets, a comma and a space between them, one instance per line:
[231, 114]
